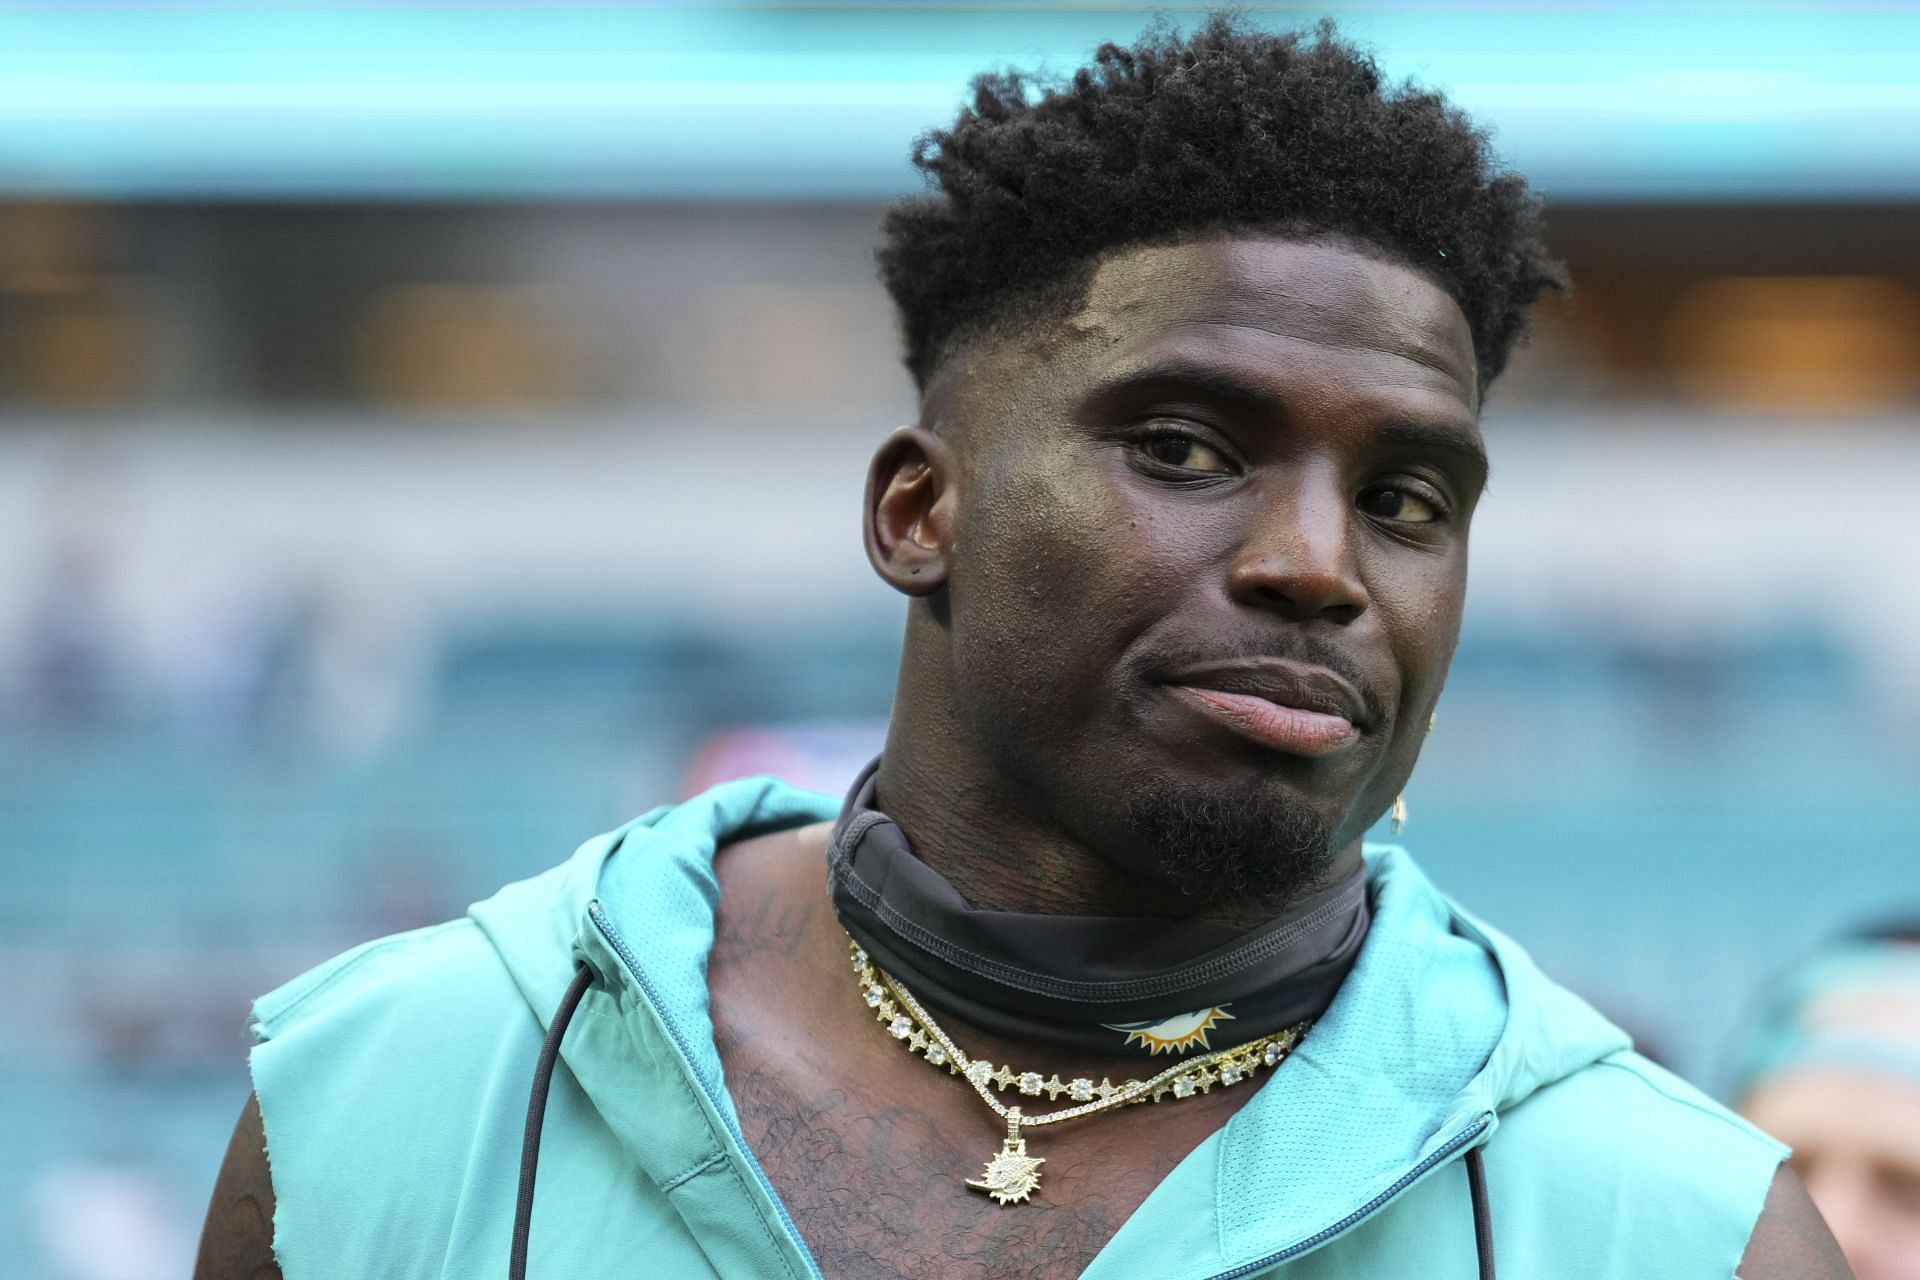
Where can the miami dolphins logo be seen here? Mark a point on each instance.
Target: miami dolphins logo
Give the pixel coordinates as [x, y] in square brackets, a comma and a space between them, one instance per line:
[1181, 1032]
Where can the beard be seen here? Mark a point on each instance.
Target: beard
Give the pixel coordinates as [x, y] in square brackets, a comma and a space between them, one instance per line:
[1247, 848]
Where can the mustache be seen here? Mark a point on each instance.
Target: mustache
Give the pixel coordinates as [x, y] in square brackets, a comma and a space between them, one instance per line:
[1181, 655]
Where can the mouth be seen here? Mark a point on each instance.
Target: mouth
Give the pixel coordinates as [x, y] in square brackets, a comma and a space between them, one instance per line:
[1303, 711]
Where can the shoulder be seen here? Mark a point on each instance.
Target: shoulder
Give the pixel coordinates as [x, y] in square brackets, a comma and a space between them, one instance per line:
[1663, 1180]
[446, 966]
[1626, 1117]
[381, 1075]
[462, 973]
[1637, 1082]
[380, 1040]
[432, 1004]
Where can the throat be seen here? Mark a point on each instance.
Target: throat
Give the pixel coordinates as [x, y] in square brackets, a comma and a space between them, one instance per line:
[998, 868]
[998, 862]
[1099, 982]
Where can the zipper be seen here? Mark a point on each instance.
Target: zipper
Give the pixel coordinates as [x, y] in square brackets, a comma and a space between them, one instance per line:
[1454, 1145]
[599, 917]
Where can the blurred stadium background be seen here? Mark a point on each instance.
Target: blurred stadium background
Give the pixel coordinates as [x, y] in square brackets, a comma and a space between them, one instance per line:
[430, 434]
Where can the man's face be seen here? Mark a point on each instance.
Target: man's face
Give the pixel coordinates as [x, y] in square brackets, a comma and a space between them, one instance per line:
[1209, 552]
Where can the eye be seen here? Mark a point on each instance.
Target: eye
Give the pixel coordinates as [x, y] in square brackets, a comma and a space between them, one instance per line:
[1174, 449]
[1401, 504]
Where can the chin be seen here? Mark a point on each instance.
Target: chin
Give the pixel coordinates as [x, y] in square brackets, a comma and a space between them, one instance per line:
[1220, 842]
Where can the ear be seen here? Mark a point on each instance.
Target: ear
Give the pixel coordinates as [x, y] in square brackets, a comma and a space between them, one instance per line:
[911, 493]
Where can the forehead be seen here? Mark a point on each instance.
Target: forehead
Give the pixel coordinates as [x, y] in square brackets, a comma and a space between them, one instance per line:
[1280, 310]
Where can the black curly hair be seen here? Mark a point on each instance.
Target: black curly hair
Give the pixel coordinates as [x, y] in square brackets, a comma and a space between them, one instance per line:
[1227, 128]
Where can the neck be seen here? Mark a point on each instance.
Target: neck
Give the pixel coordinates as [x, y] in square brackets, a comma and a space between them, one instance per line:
[985, 841]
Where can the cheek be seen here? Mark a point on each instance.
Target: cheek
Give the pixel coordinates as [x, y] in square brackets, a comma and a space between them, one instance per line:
[1421, 604]
[1026, 562]
[1053, 576]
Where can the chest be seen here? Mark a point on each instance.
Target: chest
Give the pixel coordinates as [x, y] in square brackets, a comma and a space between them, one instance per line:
[869, 1147]
[874, 1175]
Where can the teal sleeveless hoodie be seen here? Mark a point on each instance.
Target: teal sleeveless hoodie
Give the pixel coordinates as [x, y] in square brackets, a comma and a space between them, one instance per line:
[393, 1081]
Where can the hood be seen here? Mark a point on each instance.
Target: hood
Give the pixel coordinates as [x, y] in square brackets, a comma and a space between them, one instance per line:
[655, 898]
[1442, 1025]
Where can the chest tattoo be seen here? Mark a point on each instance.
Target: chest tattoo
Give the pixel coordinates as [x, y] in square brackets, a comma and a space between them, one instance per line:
[879, 1194]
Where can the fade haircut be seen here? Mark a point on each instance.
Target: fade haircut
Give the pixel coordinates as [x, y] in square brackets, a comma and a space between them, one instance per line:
[1227, 129]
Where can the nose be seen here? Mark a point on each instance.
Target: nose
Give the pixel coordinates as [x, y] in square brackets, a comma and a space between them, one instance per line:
[1297, 557]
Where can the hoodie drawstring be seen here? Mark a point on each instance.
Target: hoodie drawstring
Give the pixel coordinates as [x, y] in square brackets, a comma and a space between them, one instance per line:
[543, 1080]
[1482, 1216]
[536, 1116]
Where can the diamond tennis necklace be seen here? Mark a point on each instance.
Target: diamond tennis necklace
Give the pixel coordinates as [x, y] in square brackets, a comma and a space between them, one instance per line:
[1012, 1176]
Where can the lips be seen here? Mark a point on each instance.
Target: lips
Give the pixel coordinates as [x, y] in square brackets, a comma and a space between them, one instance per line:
[1283, 706]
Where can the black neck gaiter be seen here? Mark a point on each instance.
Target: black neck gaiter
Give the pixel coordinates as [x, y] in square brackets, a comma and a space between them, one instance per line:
[1102, 983]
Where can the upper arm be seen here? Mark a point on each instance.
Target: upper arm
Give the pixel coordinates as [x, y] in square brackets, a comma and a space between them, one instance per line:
[237, 1241]
[1791, 1241]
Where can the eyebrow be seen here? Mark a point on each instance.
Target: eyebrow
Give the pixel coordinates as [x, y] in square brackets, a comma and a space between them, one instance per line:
[1437, 438]
[1208, 380]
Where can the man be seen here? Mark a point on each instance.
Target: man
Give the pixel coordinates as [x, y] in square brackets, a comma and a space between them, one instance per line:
[1833, 1067]
[1201, 339]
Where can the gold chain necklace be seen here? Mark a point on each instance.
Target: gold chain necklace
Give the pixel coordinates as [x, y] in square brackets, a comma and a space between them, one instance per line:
[1012, 1176]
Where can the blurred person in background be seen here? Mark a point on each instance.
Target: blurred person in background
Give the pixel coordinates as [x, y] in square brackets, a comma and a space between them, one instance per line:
[1832, 1068]
[1202, 336]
